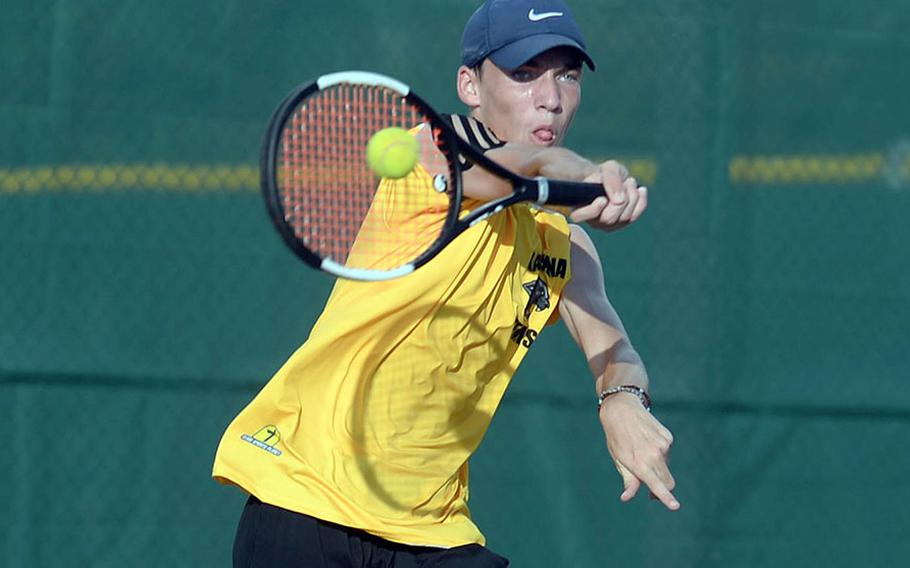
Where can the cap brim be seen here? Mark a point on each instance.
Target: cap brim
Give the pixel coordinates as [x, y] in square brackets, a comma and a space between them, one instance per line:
[518, 53]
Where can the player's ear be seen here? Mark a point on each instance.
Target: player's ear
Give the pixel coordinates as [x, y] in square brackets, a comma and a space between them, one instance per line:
[467, 84]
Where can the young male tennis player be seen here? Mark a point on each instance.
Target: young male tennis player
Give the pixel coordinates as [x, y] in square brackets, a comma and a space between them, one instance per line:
[355, 453]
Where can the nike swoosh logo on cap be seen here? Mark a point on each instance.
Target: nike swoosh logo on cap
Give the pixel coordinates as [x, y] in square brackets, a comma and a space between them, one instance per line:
[542, 16]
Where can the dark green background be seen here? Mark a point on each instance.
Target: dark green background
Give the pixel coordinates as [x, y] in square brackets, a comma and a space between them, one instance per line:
[773, 316]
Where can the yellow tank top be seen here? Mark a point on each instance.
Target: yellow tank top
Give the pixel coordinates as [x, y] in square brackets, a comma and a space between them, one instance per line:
[371, 422]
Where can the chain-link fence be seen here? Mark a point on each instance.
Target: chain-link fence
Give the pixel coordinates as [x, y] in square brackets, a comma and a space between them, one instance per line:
[144, 297]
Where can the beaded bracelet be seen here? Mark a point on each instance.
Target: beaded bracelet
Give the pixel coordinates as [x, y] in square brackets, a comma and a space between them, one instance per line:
[632, 389]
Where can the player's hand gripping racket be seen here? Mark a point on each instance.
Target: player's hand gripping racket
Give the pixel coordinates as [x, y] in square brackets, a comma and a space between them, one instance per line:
[336, 214]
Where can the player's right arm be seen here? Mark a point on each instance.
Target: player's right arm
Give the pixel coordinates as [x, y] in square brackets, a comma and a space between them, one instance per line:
[624, 202]
[526, 160]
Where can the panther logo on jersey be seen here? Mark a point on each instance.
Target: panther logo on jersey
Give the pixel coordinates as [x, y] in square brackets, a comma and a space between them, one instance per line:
[539, 296]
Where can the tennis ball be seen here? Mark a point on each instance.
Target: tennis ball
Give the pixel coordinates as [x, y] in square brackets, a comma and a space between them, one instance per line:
[392, 152]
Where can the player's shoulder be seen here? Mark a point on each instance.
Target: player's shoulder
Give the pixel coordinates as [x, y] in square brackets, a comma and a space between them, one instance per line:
[580, 237]
[473, 131]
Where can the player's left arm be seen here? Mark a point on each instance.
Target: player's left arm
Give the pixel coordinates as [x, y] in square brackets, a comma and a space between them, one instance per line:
[638, 443]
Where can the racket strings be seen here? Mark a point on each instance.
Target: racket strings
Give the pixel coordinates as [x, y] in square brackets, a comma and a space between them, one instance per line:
[335, 204]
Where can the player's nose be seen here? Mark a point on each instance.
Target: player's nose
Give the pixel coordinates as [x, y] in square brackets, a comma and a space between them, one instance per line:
[547, 94]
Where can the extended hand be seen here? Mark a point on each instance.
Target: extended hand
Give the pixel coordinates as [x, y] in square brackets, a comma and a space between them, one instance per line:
[640, 446]
[627, 201]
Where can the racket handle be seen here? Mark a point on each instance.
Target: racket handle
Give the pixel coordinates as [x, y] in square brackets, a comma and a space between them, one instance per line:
[567, 192]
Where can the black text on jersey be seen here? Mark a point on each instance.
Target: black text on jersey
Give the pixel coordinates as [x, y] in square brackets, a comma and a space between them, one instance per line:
[553, 267]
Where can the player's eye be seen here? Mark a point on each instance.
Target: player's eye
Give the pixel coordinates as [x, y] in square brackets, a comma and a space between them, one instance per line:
[572, 76]
[523, 74]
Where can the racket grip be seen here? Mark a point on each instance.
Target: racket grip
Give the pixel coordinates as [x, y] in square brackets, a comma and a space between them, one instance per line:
[556, 192]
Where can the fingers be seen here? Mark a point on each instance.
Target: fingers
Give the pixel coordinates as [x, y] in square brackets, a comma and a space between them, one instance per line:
[640, 449]
[623, 170]
[614, 175]
[667, 436]
[625, 201]
[642, 203]
[630, 186]
[659, 481]
[590, 211]
[657, 478]
[619, 211]
[630, 484]
[661, 485]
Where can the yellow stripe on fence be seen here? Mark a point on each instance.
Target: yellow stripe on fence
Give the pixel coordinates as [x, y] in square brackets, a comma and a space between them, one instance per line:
[892, 169]
[132, 177]
[176, 177]
[644, 170]
[789, 170]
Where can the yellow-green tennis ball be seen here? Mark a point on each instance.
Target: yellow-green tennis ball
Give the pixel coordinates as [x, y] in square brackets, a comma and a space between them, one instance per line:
[392, 152]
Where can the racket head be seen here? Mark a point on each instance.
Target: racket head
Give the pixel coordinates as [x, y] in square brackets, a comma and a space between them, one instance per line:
[330, 208]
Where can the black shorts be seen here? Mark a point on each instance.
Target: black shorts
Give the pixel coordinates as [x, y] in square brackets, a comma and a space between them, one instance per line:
[269, 536]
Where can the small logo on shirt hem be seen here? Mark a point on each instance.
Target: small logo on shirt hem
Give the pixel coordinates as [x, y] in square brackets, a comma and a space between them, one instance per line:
[265, 439]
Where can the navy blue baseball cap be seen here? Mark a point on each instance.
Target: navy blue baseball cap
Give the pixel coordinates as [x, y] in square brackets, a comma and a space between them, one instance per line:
[512, 32]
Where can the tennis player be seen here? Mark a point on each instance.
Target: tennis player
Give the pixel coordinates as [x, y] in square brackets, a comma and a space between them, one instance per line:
[355, 453]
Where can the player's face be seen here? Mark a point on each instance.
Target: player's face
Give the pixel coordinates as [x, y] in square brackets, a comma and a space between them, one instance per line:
[535, 103]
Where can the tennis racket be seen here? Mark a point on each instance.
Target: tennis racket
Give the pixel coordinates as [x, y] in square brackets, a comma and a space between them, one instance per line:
[339, 217]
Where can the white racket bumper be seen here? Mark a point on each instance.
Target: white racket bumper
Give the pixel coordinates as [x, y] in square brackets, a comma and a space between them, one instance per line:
[332, 267]
[362, 78]
[543, 190]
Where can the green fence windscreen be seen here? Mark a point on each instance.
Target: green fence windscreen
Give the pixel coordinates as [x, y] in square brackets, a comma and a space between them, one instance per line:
[144, 297]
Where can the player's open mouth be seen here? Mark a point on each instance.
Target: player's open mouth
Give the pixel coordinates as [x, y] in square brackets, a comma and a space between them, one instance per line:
[544, 136]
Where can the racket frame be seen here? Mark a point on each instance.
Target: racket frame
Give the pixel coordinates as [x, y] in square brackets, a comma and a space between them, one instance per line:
[538, 190]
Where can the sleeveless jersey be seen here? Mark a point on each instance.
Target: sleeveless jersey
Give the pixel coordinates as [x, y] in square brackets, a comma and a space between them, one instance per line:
[371, 422]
